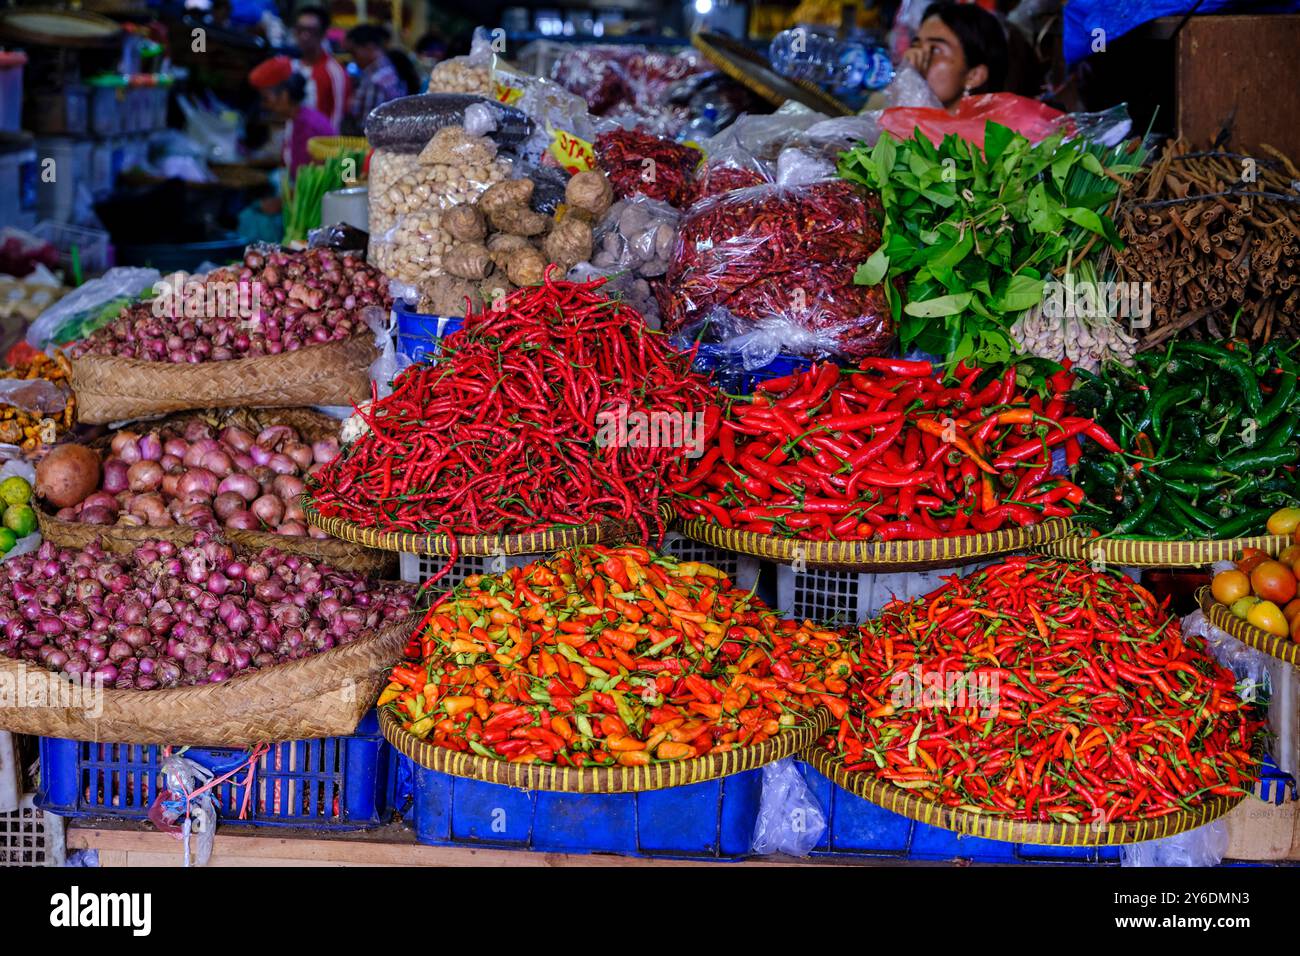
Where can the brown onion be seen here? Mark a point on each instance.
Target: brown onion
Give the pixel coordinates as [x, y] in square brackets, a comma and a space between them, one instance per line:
[243, 521]
[300, 453]
[198, 481]
[227, 503]
[293, 529]
[245, 486]
[269, 510]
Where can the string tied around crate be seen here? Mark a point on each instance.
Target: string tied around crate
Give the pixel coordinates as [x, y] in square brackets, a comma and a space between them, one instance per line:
[187, 796]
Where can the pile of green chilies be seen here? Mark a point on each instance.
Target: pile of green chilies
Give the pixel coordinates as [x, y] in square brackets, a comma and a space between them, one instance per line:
[1209, 439]
[1043, 691]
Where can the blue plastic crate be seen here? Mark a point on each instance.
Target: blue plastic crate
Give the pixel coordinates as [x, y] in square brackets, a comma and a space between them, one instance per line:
[713, 820]
[857, 828]
[1275, 785]
[728, 376]
[418, 334]
[333, 783]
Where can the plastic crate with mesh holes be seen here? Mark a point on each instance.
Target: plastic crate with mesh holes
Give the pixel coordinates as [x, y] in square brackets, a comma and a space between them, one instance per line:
[849, 597]
[418, 568]
[31, 837]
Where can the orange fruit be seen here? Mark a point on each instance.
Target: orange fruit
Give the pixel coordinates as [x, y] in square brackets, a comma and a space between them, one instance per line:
[1292, 609]
[1273, 581]
[1284, 521]
[1250, 558]
[1267, 616]
[1227, 586]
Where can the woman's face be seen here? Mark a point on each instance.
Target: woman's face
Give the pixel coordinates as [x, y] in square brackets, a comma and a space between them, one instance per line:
[937, 53]
[277, 103]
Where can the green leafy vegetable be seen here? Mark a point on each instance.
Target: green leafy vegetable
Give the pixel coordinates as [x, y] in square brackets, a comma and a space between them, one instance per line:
[976, 235]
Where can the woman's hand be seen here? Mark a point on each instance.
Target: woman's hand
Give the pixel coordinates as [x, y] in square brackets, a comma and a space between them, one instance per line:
[918, 55]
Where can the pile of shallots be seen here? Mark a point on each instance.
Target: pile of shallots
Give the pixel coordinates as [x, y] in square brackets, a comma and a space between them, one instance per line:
[190, 475]
[164, 616]
[276, 302]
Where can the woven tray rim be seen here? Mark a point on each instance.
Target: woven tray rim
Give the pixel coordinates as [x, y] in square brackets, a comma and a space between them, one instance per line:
[992, 827]
[1151, 553]
[609, 531]
[877, 555]
[597, 780]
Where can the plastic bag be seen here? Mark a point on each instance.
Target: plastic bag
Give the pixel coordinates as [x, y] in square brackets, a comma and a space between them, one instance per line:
[36, 396]
[637, 292]
[1031, 118]
[636, 235]
[753, 343]
[1110, 127]
[342, 237]
[18, 467]
[466, 74]
[797, 167]
[1260, 677]
[401, 185]
[90, 306]
[731, 167]
[407, 123]
[782, 259]
[790, 820]
[1204, 846]
[637, 162]
[764, 136]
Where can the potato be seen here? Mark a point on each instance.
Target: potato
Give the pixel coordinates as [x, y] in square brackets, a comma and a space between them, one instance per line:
[468, 260]
[589, 193]
[518, 221]
[526, 267]
[569, 243]
[465, 223]
[506, 194]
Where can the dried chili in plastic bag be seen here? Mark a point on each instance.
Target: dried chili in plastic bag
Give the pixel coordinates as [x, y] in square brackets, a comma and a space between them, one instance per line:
[638, 162]
[786, 253]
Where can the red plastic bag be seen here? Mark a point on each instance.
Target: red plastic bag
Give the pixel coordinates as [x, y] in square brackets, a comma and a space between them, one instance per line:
[1030, 118]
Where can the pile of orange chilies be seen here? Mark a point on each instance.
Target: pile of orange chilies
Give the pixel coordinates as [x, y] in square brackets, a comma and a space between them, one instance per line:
[604, 656]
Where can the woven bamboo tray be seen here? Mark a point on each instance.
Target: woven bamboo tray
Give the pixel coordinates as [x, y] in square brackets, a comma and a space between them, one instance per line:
[110, 389]
[1221, 616]
[1133, 553]
[311, 424]
[993, 827]
[877, 555]
[321, 696]
[482, 545]
[657, 776]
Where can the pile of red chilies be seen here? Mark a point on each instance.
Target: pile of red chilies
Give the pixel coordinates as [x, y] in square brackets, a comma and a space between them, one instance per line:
[1047, 692]
[888, 451]
[501, 435]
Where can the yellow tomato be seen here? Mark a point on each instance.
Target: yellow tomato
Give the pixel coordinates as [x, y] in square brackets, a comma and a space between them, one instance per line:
[1267, 616]
[1284, 521]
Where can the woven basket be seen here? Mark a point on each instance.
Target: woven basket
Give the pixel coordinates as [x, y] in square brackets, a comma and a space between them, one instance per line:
[877, 555]
[657, 776]
[1133, 553]
[110, 389]
[991, 826]
[482, 545]
[312, 425]
[321, 696]
[1221, 616]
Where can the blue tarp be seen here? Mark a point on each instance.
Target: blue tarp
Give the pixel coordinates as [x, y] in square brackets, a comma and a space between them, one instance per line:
[1117, 17]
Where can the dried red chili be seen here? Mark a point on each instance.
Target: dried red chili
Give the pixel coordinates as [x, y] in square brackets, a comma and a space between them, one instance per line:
[637, 162]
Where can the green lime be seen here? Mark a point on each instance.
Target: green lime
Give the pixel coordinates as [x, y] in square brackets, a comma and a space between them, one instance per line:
[15, 491]
[7, 540]
[20, 519]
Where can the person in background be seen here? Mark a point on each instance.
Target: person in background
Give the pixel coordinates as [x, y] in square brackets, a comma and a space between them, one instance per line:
[960, 49]
[327, 81]
[284, 93]
[379, 81]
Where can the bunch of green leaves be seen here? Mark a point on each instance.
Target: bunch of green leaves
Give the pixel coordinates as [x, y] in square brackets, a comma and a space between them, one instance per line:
[972, 236]
[301, 206]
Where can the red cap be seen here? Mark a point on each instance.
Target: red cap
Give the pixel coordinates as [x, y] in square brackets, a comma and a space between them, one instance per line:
[272, 72]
